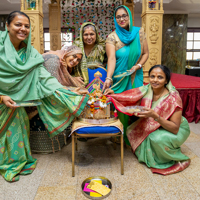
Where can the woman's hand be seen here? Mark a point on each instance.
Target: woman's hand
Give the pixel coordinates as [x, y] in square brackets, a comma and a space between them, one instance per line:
[9, 102]
[80, 80]
[63, 62]
[108, 91]
[80, 91]
[135, 68]
[147, 113]
[106, 84]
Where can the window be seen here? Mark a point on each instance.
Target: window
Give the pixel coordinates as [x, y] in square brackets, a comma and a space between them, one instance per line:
[193, 44]
[66, 38]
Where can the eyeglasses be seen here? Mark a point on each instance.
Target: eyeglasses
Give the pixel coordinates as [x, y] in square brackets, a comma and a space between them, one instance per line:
[124, 16]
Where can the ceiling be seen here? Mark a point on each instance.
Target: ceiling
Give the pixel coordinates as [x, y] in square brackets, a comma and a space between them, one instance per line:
[170, 6]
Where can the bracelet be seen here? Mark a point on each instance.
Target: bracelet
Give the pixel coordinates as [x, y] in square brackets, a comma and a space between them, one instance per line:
[139, 65]
[1, 99]
[157, 118]
[109, 79]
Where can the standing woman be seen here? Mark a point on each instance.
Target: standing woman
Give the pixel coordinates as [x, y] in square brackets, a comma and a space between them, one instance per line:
[22, 78]
[126, 49]
[93, 49]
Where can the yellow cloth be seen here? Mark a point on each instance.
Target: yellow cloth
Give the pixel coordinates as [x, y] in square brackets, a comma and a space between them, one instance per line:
[78, 124]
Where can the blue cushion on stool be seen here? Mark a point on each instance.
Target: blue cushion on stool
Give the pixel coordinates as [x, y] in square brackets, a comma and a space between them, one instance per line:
[98, 129]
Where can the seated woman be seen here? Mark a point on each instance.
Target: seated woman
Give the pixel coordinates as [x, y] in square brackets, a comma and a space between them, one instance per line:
[69, 57]
[93, 49]
[24, 78]
[161, 129]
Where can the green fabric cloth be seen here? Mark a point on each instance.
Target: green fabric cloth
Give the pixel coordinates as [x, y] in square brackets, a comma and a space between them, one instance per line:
[161, 149]
[15, 153]
[23, 79]
[58, 110]
[95, 56]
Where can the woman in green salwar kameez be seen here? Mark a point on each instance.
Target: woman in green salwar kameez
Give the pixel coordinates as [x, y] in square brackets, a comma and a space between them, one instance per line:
[22, 78]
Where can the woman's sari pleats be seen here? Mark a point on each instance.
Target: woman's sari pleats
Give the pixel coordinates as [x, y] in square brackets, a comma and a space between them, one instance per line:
[15, 153]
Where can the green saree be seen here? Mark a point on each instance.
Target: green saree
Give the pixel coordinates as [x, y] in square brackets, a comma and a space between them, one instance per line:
[152, 144]
[23, 77]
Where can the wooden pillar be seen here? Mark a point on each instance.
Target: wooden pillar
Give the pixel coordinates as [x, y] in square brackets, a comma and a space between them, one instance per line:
[130, 5]
[152, 22]
[55, 25]
[36, 17]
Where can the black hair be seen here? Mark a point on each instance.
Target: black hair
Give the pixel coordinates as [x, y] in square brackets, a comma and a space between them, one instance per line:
[13, 14]
[165, 69]
[120, 7]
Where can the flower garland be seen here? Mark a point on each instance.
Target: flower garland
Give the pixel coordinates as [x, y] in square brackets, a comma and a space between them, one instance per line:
[100, 12]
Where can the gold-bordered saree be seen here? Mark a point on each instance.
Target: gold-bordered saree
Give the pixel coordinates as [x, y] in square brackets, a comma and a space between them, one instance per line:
[152, 144]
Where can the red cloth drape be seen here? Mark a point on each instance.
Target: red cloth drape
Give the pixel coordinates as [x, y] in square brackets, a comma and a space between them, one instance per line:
[191, 104]
[189, 90]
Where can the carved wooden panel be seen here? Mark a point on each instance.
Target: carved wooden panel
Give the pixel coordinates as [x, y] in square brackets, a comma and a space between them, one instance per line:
[154, 29]
[32, 19]
[153, 56]
[41, 36]
[54, 41]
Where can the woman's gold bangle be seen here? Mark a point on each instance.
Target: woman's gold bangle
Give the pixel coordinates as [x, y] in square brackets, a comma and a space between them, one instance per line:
[109, 79]
[1, 99]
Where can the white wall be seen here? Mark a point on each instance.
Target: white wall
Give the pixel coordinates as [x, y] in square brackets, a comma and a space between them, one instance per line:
[194, 20]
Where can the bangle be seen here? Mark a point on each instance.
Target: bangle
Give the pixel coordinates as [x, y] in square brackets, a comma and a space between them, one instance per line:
[139, 65]
[157, 118]
[1, 99]
[109, 79]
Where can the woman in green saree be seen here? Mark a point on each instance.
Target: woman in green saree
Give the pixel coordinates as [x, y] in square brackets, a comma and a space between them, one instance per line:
[93, 49]
[159, 132]
[22, 78]
[127, 49]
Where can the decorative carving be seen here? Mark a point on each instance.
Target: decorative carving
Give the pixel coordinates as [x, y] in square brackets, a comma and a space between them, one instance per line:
[153, 56]
[154, 27]
[32, 19]
[54, 42]
[144, 23]
[54, 18]
[41, 37]
[22, 4]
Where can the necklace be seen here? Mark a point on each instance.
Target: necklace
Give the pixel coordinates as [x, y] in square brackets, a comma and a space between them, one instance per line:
[160, 94]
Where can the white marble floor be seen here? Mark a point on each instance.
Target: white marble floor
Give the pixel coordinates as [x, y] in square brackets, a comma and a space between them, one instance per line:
[52, 179]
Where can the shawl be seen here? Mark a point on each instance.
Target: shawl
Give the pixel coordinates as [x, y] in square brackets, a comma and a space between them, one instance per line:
[26, 79]
[165, 107]
[96, 55]
[128, 37]
[63, 73]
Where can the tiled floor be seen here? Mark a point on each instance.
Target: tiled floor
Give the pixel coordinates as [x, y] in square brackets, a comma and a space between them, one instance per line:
[52, 179]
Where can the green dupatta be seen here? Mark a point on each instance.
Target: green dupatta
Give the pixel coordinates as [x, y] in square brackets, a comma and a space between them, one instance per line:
[96, 55]
[25, 79]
